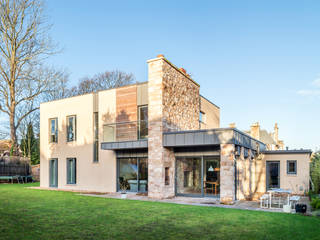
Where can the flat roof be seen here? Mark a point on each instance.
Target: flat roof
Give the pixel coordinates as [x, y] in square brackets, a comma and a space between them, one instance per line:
[293, 151]
[206, 137]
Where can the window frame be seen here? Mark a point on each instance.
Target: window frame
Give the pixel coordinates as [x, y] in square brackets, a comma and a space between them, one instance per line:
[72, 181]
[288, 167]
[140, 107]
[96, 137]
[74, 130]
[202, 117]
[167, 176]
[56, 130]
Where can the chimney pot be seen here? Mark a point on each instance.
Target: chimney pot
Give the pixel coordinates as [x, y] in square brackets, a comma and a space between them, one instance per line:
[232, 125]
[183, 70]
[160, 56]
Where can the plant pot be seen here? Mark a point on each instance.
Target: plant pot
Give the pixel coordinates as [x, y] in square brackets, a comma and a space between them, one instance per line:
[123, 195]
[287, 208]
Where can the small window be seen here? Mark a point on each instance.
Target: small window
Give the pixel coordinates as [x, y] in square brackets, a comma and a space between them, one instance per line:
[96, 137]
[167, 176]
[142, 122]
[71, 171]
[53, 130]
[202, 117]
[291, 167]
[71, 128]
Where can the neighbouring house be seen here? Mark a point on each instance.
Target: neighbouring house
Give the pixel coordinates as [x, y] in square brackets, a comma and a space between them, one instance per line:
[160, 137]
[271, 139]
[5, 146]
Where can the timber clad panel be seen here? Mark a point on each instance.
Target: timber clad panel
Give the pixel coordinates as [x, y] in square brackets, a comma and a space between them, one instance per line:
[126, 111]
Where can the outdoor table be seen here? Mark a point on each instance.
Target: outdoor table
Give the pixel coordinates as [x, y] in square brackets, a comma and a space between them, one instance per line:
[278, 190]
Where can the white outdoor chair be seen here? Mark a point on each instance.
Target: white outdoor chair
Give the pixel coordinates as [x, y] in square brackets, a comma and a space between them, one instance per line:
[264, 201]
[294, 200]
[277, 200]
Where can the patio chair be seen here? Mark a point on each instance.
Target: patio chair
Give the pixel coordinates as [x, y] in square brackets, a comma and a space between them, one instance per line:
[294, 200]
[277, 199]
[264, 201]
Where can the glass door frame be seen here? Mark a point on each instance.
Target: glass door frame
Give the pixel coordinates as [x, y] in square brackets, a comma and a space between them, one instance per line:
[138, 172]
[268, 174]
[202, 160]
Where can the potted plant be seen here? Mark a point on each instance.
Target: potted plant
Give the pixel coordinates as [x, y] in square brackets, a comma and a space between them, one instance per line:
[123, 188]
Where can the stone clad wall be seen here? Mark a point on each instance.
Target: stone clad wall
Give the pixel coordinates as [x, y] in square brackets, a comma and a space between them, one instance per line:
[181, 100]
[227, 183]
[174, 104]
[155, 149]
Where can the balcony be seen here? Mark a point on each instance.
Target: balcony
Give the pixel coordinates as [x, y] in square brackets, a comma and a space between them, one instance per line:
[125, 135]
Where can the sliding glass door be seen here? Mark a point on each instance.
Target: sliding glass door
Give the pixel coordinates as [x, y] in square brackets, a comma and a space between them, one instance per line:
[198, 176]
[211, 176]
[188, 176]
[133, 174]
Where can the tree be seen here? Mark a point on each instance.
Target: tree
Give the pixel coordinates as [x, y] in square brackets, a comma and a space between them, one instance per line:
[315, 171]
[58, 87]
[30, 145]
[24, 45]
[102, 81]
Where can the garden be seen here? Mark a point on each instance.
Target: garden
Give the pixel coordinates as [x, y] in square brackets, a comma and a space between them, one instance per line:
[41, 214]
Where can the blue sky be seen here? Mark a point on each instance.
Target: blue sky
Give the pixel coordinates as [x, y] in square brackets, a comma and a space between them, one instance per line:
[257, 60]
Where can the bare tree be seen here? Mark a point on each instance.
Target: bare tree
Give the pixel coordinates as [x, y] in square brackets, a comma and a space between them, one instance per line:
[58, 87]
[103, 81]
[24, 43]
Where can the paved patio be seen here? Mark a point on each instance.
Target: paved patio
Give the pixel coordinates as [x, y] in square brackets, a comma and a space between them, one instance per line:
[211, 202]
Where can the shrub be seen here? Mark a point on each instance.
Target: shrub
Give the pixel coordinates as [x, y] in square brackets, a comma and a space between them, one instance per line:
[315, 203]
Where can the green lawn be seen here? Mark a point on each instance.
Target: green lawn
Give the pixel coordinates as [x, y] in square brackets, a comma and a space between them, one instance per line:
[39, 214]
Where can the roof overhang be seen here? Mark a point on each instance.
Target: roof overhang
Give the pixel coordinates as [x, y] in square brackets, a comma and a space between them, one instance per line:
[137, 144]
[294, 151]
[211, 137]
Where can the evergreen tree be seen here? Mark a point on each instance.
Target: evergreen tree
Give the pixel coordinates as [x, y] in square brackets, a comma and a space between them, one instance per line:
[30, 145]
[315, 171]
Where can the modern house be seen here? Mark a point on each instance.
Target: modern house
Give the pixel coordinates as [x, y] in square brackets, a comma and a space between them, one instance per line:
[160, 137]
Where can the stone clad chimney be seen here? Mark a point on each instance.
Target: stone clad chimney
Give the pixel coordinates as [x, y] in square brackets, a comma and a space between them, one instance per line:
[173, 104]
[255, 130]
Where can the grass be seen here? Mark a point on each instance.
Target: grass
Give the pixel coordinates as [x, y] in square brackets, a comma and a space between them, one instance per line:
[40, 214]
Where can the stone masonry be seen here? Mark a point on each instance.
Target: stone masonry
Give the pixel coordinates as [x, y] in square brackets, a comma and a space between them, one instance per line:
[227, 177]
[174, 104]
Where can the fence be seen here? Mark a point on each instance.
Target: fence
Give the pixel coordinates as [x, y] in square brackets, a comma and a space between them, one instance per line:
[14, 168]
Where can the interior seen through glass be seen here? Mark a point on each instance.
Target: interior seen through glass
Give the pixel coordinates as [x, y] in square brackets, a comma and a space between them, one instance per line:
[192, 181]
[133, 174]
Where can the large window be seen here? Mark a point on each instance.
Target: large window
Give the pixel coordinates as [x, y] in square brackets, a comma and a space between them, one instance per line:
[53, 172]
[188, 175]
[71, 128]
[133, 174]
[198, 176]
[96, 137]
[53, 130]
[292, 167]
[142, 122]
[71, 171]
